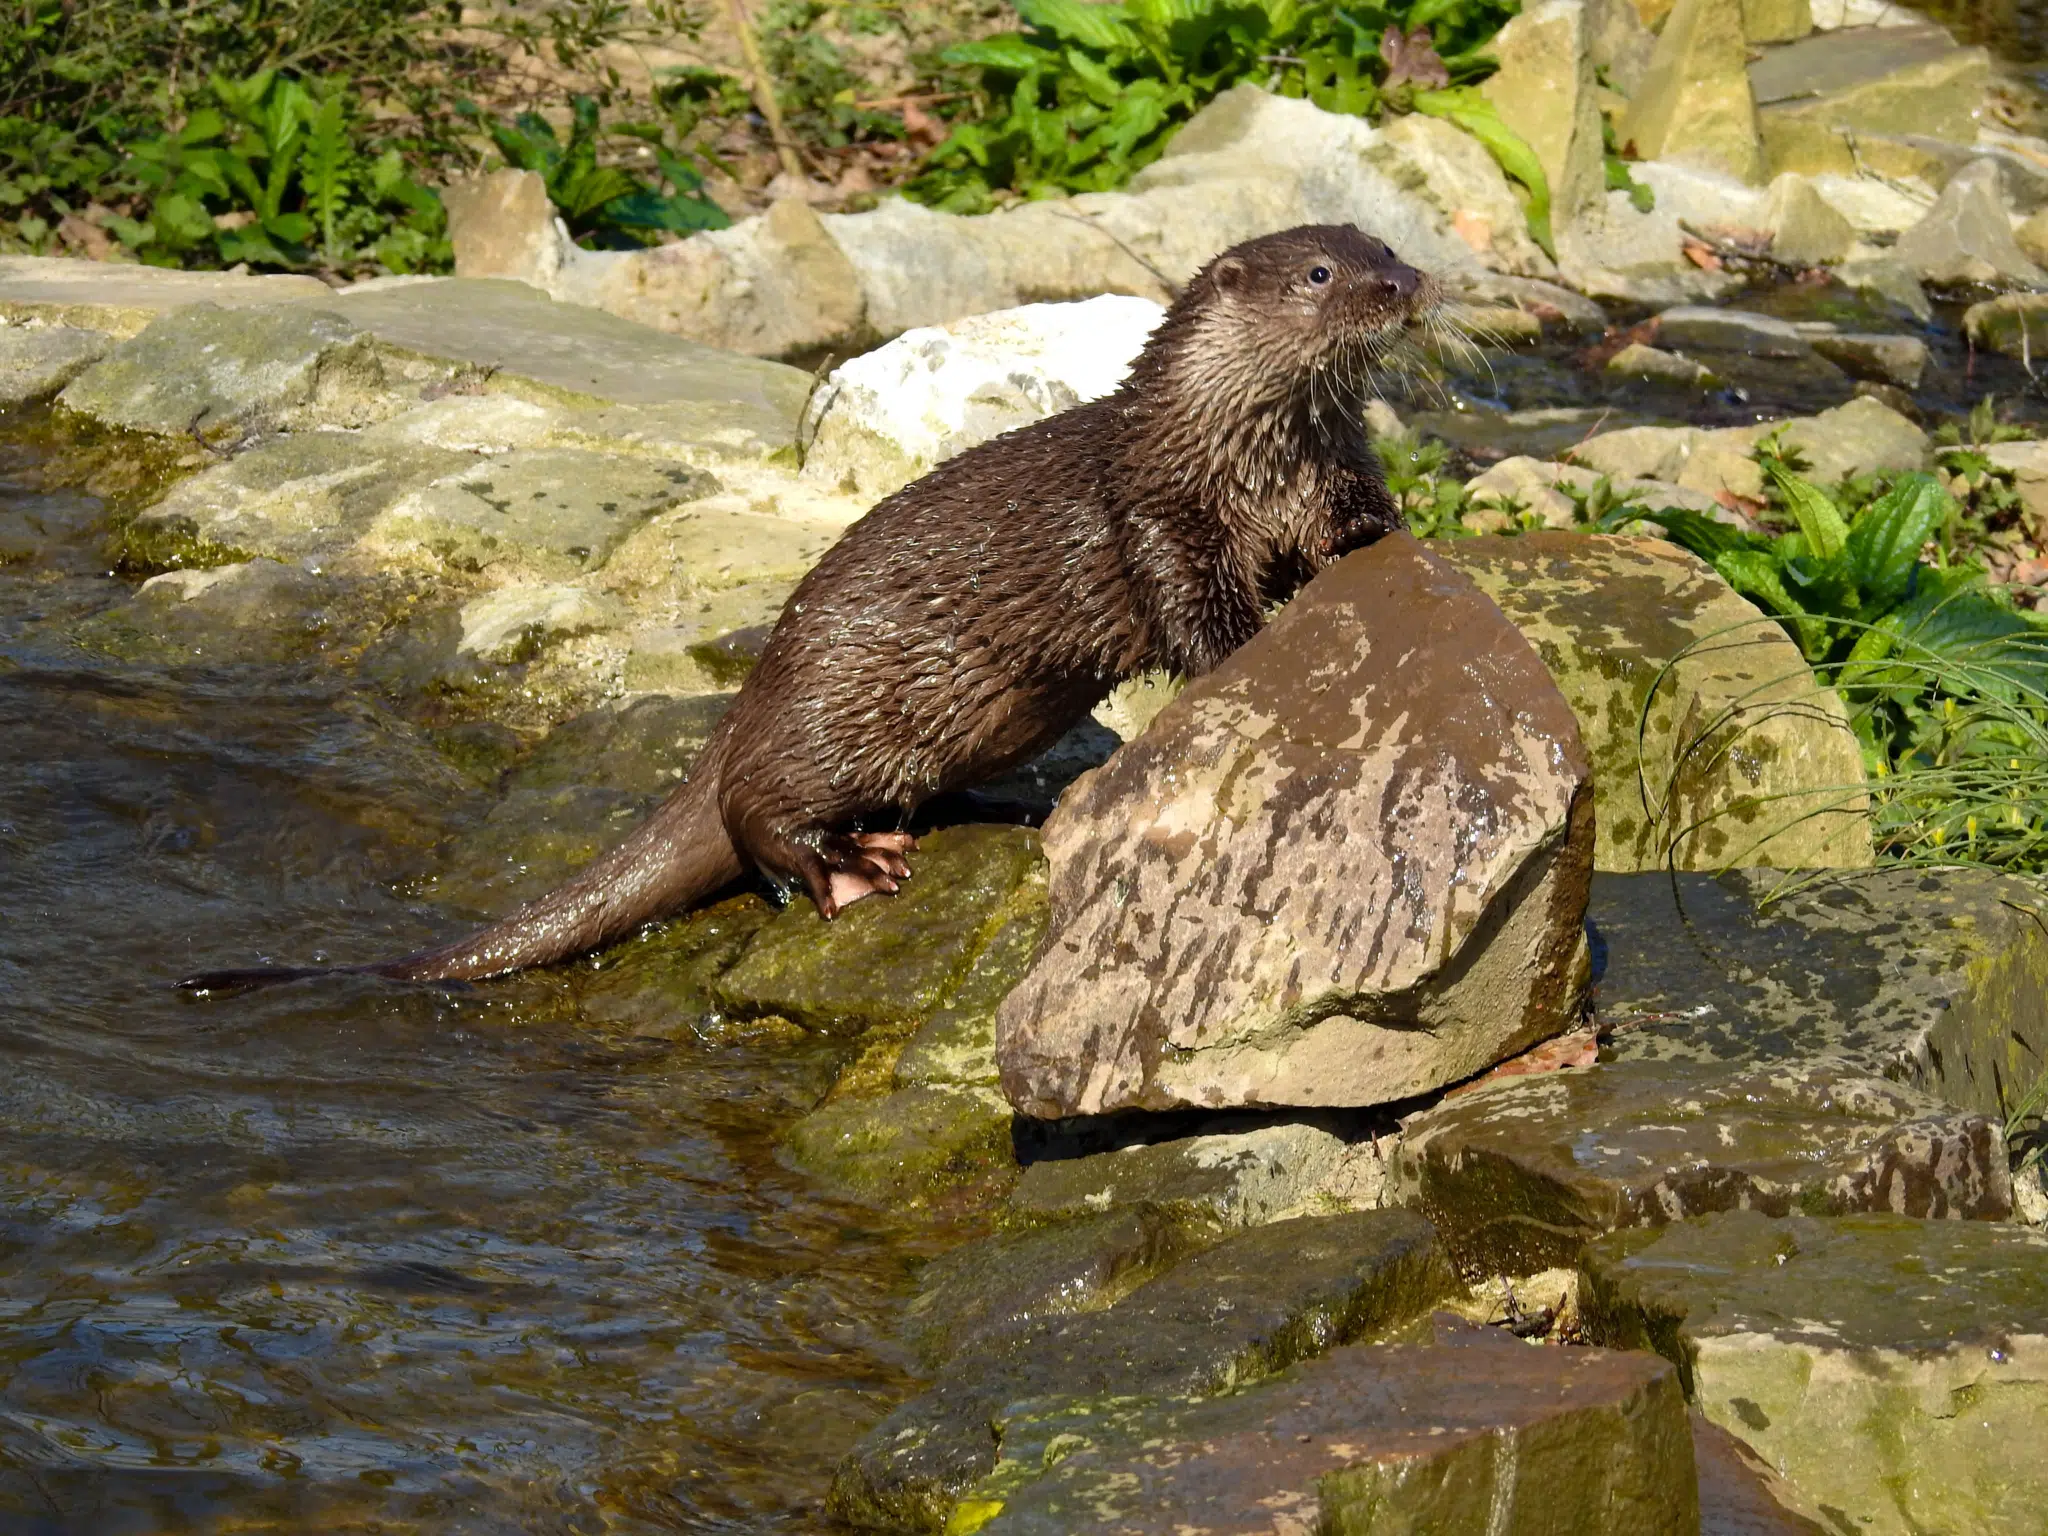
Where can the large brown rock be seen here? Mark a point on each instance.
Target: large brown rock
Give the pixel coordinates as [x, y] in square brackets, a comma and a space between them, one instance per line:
[1346, 867]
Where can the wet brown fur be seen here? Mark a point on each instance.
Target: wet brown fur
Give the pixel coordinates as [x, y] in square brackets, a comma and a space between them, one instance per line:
[976, 615]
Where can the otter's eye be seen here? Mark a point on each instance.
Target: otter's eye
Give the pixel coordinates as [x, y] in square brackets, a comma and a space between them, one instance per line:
[1319, 275]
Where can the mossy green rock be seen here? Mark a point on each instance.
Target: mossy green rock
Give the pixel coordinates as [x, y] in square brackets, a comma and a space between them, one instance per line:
[1233, 1313]
[1895, 1371]
[906, 1148]
[256, 611]
[1471, 1431]
[37, 361]
[2015, 324]
[1848, 1049]
[658, 982]
[1813, 96]
[222, 374]
[894, 959]
[1744, 757]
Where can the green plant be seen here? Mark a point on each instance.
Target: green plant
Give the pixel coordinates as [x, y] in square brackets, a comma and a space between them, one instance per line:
[607, 204]
[1091, 93]
[818, 90]
[1433, 502]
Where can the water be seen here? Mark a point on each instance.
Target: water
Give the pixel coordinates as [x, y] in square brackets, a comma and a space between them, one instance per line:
[352, 1257]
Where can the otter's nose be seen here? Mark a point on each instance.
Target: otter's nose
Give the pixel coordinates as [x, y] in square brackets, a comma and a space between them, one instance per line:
[1396, 283]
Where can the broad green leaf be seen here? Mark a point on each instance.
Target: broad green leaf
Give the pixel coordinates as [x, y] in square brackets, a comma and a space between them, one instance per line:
[323, 173]
[650, 210]
[181, 220]
[1757, 576]
[1702, 534]
[1812, 508]
[1096, 80]
[202, 125]
[1105, 28]
[1885, 541]
[1464, 106]
[595, 189]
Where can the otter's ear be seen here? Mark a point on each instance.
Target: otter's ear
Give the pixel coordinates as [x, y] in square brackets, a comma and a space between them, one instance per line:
[1228, 273]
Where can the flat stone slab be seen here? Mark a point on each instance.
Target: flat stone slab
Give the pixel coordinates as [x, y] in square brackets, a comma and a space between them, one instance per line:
[1851, 1049]
[586, 356]
[120, 299]
[1241, 1310]
[1895, 1371]
[1872, 81]
[1744, 756]
[1473, 1431]
[38, 360]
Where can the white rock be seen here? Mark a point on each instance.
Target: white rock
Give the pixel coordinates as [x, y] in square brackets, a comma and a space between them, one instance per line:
[1702, 198]
[1872, 207]
[500, 624]
[884, 418]
[1828, 15]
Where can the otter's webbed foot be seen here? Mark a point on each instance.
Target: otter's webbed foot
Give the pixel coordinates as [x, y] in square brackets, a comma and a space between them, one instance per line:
[839, 868]
[1361, 511]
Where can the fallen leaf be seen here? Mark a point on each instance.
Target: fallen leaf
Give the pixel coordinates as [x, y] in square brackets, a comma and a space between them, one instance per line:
[1702, 255]
[1412, 59]
[1580, 1048]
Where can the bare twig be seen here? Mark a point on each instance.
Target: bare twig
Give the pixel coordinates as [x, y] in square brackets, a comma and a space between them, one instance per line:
[764, 89]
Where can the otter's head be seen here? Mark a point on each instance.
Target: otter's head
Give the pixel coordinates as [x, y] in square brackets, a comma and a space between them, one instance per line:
[1310, 310]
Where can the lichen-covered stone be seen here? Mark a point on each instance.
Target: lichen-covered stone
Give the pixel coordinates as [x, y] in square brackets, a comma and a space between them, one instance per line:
[1345, 867]
[1883, 359]
[548, 512]
[1811, 96]
[1250, 1306]
[1894, 1371]
[38, 360]
[894, 959]
[906, 1148]
[956, 1046]
[223, 374]
[1852, 1047]
[1743, 756]
[1471, 1431]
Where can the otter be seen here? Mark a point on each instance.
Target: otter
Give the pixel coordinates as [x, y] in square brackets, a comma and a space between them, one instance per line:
[973, 617]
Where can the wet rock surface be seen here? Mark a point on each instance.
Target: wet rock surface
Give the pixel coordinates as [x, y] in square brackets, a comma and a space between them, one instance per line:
[1209, 857]
[1226, 1316]
[1467, 1430]
[1854, 1047]
[1896, 1371]
[1741, 756]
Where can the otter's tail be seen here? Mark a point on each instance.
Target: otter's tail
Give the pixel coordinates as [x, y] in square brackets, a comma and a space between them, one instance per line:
[679, 855]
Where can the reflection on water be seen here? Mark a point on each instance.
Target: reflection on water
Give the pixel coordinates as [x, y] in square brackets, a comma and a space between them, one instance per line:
[348, 1256]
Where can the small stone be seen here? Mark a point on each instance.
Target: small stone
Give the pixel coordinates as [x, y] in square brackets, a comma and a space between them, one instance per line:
[1894, 1371]
[1805, 229]
[225, 374]
[1739, 756]
[1900, 360]
[1967, 238]
[502, 225]
[1812, 96]
[1776, 21]
[512, 623]
[1637, 361]
[885, 418]
[1861, 437]
[1745, 347]
[2015, 324]
[2027, 464]
[1252, 1305]
[1889, 280]
[1694, 103]
[1544, 92]
[892, 959]
[1240, 861]
[37, 361]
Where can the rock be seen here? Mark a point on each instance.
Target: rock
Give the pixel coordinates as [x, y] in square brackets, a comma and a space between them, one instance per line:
[1248, 1307]
[512, 623]
[989, 1290]
[1842, 1050]
[2006, 324]
[1742, 758]
[549, 513]
[1811, 95]
[895, 960]
[1548, 302]
[1280, 935]
[1861, 437]
[906, 1149]
[1871, 207]
[776, 285]
[1703, 198]
[121, 299]
[255, 611]
[1694, 104]
[1441, 1436]
[310, 494]
[1747, 348]
[1741, 1494]
[658, 982]
[225, 374]
[502, 225]
[1900, 360]
[1886, 279]
[38, 360]
[1776, 21]
[1525, 484]
[1234, 1174]
[1458, 173]
[1637, 361]
[1916, 159]
[2027, 464]
[721, 405]
[1967, 238]
[1705, 462]
[1618, 43]
[1806, 229]
[1895, 1371]
[1544, 92]
[883, 419]
[1616, 252]
[956, 1046]
[2032, 237]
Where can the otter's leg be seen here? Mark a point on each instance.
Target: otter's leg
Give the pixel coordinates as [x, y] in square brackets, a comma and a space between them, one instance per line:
[836, 868]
